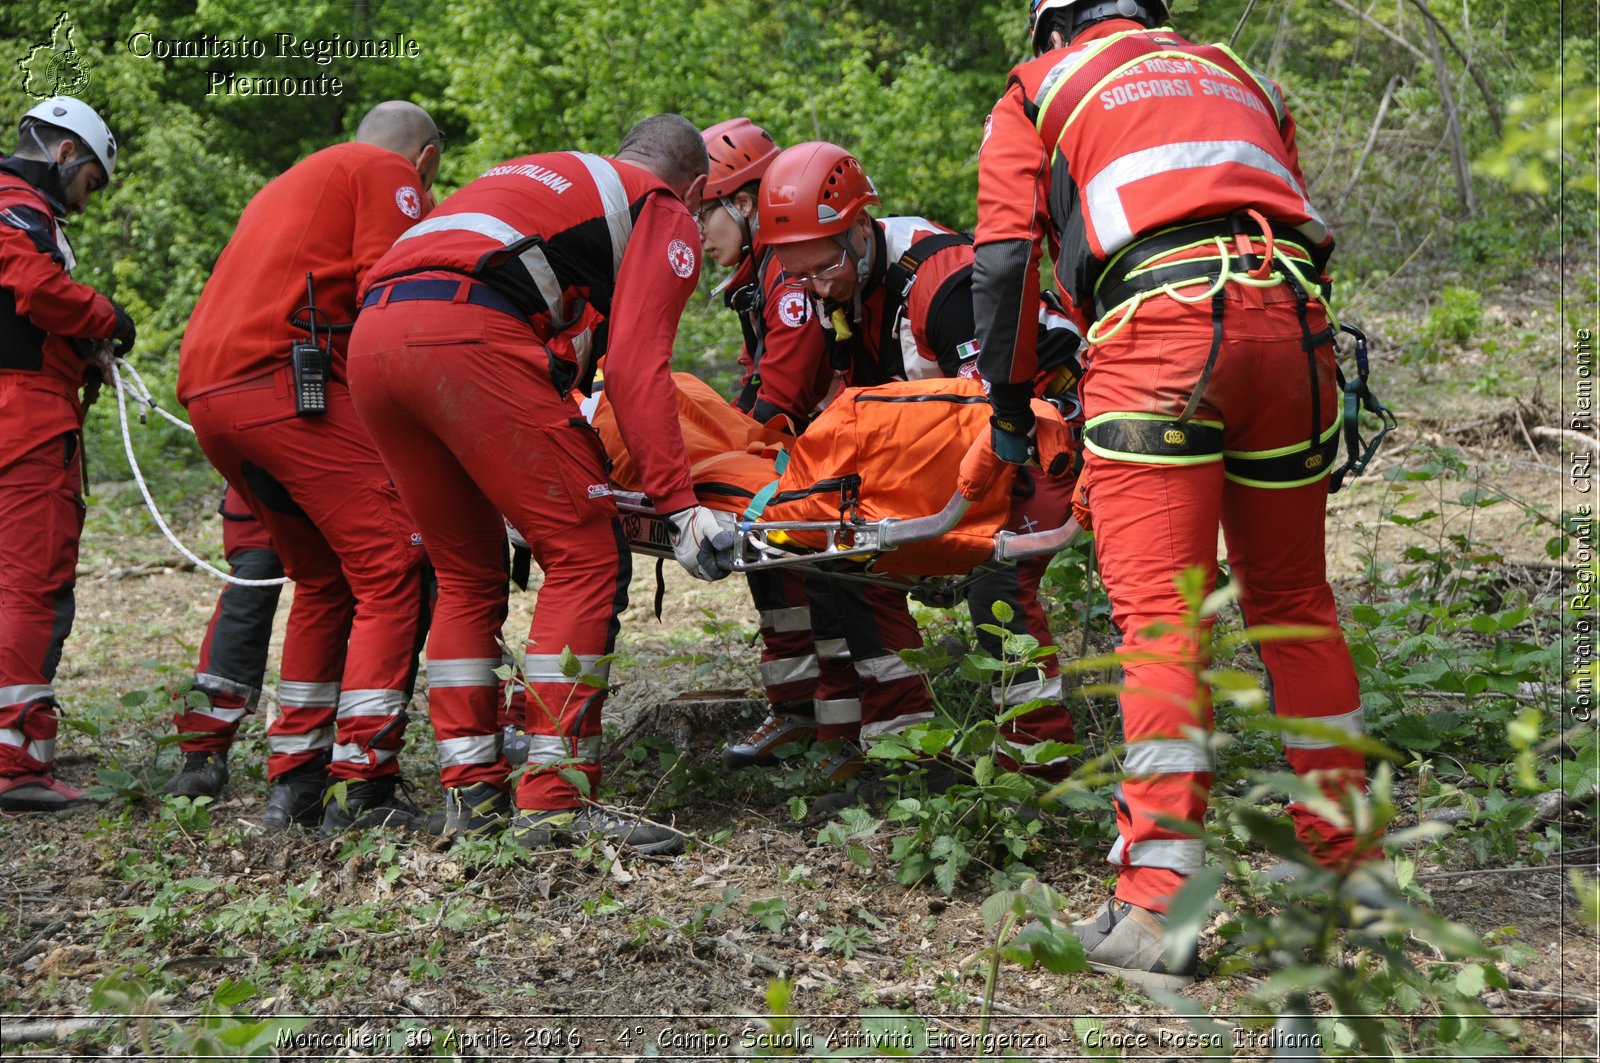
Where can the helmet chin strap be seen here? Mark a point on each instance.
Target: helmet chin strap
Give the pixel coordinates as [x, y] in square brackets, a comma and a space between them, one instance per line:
[57, 172]
[746, 226]
[863, 266]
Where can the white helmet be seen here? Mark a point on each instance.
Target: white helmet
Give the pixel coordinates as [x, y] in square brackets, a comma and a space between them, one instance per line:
[1151, 13]
[81, 120]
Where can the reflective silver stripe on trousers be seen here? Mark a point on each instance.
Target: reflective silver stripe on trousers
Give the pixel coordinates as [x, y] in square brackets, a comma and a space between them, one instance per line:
[371, 703]
[899, 723]
[788, 670]
[354, 753]
[463, 672]
[614, 198]
[293, 694]
[885, 669]
[207, 683]
[1164, 756]
[42, 749]
[1186, 856]
[473, 749]
[24, 693]
[1351, 723]
[842, 710]
[833, 649]
[792, 618]
[1022, 693]
[227, 716]
[553, 749]
[1103, 194]
[546, 668]
[311, 742]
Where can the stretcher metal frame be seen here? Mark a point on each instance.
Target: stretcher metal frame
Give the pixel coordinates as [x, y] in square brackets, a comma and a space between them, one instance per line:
[851, 543]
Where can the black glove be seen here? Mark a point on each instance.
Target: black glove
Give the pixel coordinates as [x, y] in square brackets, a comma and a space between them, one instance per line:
[124, 335]
[1014, 438]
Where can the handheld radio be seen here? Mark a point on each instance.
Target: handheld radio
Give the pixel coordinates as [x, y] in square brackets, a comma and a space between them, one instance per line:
[309, 361]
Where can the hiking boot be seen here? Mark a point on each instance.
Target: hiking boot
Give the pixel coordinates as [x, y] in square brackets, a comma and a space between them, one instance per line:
[842, 764]
[540, 828]
[470, 811]
[204, 774]
[936, 777]
[370, 803]
[1130, 942]
[760, 747]
[295, 799]
[41, 793]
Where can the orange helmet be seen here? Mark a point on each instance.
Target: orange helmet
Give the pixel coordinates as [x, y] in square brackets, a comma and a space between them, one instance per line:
[740, 153]
[812, 190]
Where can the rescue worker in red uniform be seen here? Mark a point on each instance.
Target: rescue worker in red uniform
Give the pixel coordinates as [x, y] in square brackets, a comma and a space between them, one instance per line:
[896, 295]
[313, 477]
[786, 374]
[65, 153]
[475, 331]
[233, 654]
[1165, 178]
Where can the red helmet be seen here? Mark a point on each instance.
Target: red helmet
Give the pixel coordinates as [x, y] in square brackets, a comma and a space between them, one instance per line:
[812, 190]
[740, 153]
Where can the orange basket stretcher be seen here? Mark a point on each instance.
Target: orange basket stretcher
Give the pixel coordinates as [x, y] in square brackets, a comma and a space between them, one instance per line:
[857, 493]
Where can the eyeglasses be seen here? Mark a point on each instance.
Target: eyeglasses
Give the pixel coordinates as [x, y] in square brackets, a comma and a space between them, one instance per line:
[705, 208]
[821, 276]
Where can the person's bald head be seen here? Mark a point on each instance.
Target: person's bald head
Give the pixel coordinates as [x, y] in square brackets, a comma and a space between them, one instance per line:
[669, 146]
[405, 129]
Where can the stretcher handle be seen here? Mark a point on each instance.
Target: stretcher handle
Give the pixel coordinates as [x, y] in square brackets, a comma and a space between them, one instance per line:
[1012, 546]
[898, 531]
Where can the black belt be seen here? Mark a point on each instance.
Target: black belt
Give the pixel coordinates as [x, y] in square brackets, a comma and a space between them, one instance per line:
[1116, 286]
[443, 291]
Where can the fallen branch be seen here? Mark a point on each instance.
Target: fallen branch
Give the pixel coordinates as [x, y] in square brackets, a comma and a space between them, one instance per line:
[1568, 434]
[750, 956]
[46, 1031]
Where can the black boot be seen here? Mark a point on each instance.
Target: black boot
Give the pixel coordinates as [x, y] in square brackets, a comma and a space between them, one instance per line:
[296, 797]
[370, 803]
[204, 774]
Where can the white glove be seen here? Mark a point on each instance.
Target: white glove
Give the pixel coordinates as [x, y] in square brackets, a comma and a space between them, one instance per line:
[703, 541]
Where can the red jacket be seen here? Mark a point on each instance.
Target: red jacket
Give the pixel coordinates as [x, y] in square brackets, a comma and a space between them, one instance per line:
[332, 214]
[1092, 157]
[590, 248]
[42, 309]
[785, 357]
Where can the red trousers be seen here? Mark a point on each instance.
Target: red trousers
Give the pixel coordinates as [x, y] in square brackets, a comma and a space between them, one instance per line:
[863, 688]
[360, 607]
[1038, 503]
[788, 654]
[41, 521]
[1153, 521]
[461, 406]
[233, 656]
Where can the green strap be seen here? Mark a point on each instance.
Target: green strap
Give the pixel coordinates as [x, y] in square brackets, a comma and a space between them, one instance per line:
[759, 503]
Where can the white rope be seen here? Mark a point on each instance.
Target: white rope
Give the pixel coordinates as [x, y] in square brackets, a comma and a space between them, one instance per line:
[136, 388]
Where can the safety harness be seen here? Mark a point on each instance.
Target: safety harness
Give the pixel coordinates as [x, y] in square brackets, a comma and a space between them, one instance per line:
[1145, 269]
[749, 302]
